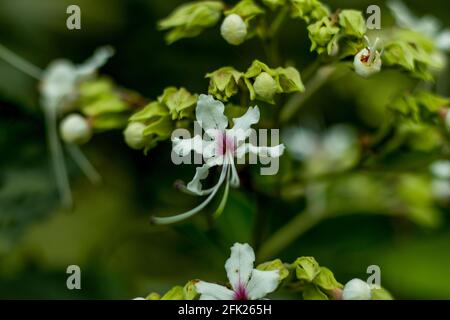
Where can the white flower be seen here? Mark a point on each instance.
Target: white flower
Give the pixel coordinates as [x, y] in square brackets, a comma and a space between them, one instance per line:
[60, 79]
[220, 147]
[75, 129]
[356, 289]
[246, 283]
[368, 60]
[58, 88]
[427, 25]
[234, 29]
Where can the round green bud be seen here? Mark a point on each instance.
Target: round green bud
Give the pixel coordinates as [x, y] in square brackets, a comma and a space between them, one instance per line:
[265, 86]
[234, 29]
[134, 135]
[356, 289]
[75, 129]
[367, 63]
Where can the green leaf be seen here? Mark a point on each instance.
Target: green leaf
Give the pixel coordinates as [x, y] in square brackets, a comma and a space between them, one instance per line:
[352, 23]
[190, 19]
[274, 4]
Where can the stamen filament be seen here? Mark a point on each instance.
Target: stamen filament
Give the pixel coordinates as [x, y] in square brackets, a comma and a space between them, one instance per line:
[190, 213]
[83, 163]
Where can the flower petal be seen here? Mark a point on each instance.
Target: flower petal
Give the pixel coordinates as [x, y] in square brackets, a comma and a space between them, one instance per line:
[212, 291]
[262, 283]
[195, 186]
[241, 128]
[266, 152]
[183, 147]
[240, 265]
[209, 113]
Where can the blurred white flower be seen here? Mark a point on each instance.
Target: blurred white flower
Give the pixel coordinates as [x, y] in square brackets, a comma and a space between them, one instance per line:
[246, 282]
[335, 150]
[428, 25]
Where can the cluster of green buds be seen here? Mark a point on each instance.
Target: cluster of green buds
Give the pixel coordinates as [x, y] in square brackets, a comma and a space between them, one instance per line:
[157, 120]
[261, 82]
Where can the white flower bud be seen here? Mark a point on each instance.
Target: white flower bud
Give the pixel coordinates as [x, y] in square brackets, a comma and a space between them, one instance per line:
[356, 289]
[265, 86]
[363, 66]
[134, 135]
[234, 29]
[75, 129]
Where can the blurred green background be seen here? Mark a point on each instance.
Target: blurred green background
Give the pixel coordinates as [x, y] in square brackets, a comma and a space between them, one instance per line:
[108, 233]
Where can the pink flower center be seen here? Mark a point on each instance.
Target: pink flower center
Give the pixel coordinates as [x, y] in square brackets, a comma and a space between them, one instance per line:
[225, 144]
[240, 293]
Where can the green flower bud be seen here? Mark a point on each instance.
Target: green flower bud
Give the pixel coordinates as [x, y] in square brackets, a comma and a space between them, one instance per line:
[75, 129]
[134, 135]
[265, 86]
[321, 34]
[356, 289]
[234, 29]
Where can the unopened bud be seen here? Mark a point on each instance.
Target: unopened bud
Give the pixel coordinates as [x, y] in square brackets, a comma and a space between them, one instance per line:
[134, 135]
[234, 29]
[75, 129]
[265, 86]
[356, 289]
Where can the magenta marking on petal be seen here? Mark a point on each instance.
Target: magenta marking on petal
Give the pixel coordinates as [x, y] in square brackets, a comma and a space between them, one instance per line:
[240, 293]
[225, 144]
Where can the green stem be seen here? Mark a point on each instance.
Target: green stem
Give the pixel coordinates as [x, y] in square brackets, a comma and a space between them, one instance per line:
[299, 99]
[288, 233]
[20, 63]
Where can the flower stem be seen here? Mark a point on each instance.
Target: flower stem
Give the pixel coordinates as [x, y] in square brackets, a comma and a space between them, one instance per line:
[20, 63]
[84, 164]
[288, 233]
[298, 100]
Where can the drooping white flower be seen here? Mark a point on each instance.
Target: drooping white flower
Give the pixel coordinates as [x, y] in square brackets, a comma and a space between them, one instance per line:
[428, 25]
[60, 79]
[219, 148]
[356, 289]
[368, 61]
[234, 29]
[58, 88]
[246, 282]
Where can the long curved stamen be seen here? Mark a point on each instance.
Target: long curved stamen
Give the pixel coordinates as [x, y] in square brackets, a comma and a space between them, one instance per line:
[57, 157]
[83, 163]
[373, 50]
[190, 213]
[20, 63]
[234, 175]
